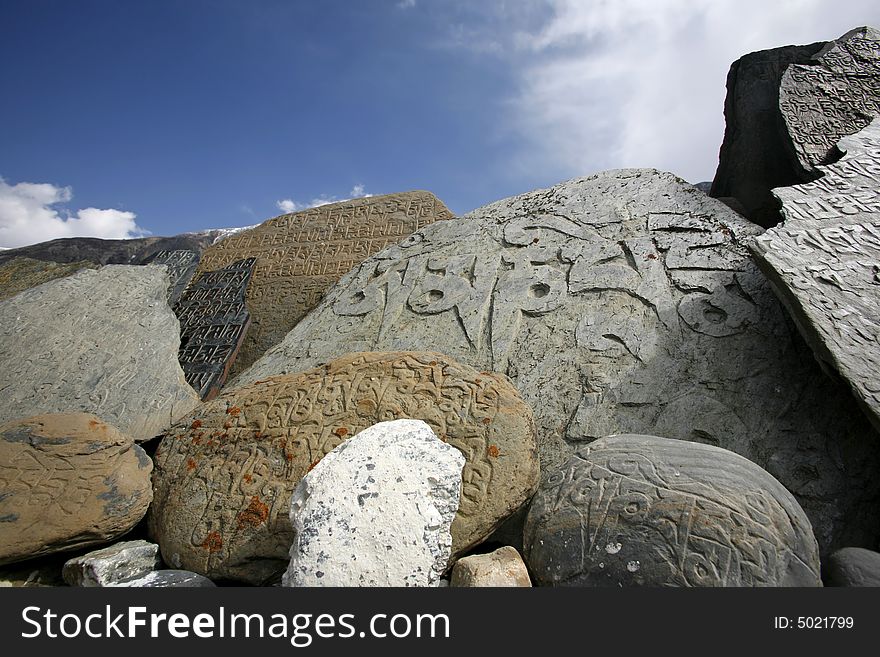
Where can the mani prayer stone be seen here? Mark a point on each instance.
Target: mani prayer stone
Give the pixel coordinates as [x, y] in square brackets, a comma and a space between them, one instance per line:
[824, 263]
[20, 274]
[181, 265]
[377, 510]
[213, 323]
[102, 342]
[786, 109]
[67, 480]
[646, 511]
[301, 255]
[625, 302]
[225, 474]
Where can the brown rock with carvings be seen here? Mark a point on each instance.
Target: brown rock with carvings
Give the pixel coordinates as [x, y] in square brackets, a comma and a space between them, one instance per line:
[225, 474]
[68, 480]
[20, 274]
[300, 255]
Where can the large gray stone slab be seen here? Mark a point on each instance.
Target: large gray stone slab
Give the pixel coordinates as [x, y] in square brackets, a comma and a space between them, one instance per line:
[102, 342]
[647, 511]
[110, 565]
[377, 510]
[824, 263]
[625, 302]
[785, 110]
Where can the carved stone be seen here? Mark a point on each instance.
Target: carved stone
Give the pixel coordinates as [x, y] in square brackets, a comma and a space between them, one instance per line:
[213, 324]
[68, 480]
[102, 342]
[225, 474]
[824, 263]
[646, 511]
[376, 511]
[625, 302]
[785, 110]
[20, 274]
[180, 265]
[301, 255]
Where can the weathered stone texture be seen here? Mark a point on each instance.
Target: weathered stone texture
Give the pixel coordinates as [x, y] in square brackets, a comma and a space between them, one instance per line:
[107, 566]
[225, 474]
[301, 255]
[102, 342]
[824, 263]
[213, 324]
[503, 567]
[785, 110]
[626, 302]
[180, 265]
[377, 510]
[20, 274]
[167, 579]
[69, 480]
[646, 511]
[852, 567]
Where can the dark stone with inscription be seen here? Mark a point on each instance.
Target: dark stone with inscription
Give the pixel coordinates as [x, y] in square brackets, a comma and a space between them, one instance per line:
[646, 511]
[785, 110]
[181, 265]
[20, 274]
[852, 567]
[625, 302]
[824, 263]
[213, 324]
[68, 480]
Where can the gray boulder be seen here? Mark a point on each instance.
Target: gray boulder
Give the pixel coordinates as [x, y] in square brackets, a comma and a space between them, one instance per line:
[110, 565]
[824, 263]
[167, 579]
[377, 510]
[102, 342]
[647, 511]
[625, 302]
[852, 567]
[785, 110]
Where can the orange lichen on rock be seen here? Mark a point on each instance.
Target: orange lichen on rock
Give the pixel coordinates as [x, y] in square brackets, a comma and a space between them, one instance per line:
[341, 432]
[312, 466]
[254, 515]
[486, 420]
[234, 411]
[493, 450]
[190, 465]
[213, 542]
[248, 478]
[196, 424]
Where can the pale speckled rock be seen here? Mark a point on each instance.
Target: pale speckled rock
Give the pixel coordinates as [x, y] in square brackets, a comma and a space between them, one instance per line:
[167, 579]
[625, 302]
[102, 342]
[648, 511]
[824, 263]
[69, 481]
[225, 474]
[503, 567]
[852, 567]
[377, 510]
[110, 565]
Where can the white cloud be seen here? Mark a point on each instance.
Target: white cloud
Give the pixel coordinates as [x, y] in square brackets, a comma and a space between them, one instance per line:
[288, 205]
[637, 83]
[406, 4]
[28, 215]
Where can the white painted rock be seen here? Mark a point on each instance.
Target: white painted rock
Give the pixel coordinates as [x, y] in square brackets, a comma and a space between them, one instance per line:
[377, 510]
[503, 567]
[110, 565]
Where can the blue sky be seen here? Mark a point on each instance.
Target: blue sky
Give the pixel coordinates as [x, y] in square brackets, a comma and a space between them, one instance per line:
[165, 117]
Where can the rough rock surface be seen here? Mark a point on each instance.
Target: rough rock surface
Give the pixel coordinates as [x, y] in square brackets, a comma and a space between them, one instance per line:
[646, 511]
[377, 510]
[785, 110]
[503, 567]
[626, 302]
[168, 579]
[102, 342]
[213, 324]
[852, 567]
[225, 474]
[301, 255]
[20, 274]
[69, 480]
[824, 263]
[107, 566]
[112, 252]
